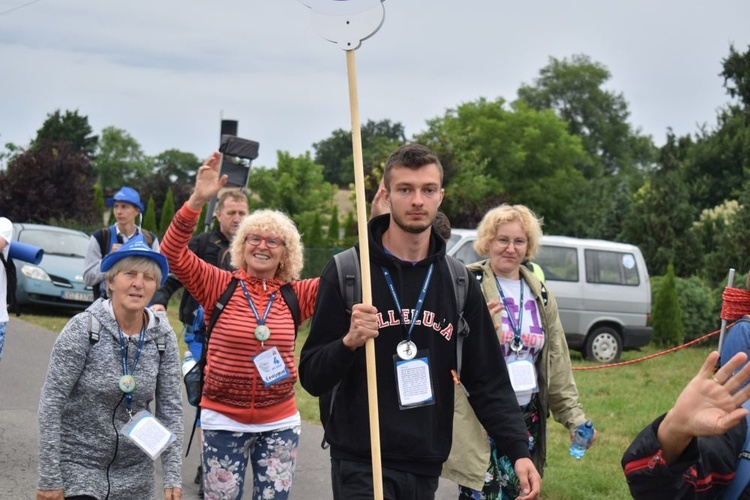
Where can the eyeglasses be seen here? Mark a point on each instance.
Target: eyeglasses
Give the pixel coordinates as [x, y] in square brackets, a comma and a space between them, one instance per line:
[271, 242]
[505, 242]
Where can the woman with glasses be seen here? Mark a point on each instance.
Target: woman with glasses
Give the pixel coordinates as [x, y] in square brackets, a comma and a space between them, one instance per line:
[534, 348]
[248, 409]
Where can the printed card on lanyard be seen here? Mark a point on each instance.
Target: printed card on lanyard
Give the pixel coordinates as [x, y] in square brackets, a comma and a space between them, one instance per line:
[522, 375]
[413, 381]
[271, 366]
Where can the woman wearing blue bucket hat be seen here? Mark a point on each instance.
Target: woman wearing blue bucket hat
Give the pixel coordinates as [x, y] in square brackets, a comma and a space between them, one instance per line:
[110, 368]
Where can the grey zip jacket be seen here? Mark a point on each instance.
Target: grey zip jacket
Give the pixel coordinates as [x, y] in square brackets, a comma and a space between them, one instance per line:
[82, 409]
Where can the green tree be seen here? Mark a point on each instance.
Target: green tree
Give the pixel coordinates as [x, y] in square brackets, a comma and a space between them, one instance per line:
[335, 153]
[178, 166]
[99, 205]
[697, 305]
[574, 89]
[119, 160]
[167, 212]
[350, 230]
[201, 220]
[69, 127]
[736, 75]
[313, 237]
[50, 182]
[516, 155]
[661, 216]
[333, 227]
[149, 218]
[295, 186]
[666, 316]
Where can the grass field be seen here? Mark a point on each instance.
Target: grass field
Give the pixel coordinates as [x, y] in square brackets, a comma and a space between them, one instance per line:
[620, 400]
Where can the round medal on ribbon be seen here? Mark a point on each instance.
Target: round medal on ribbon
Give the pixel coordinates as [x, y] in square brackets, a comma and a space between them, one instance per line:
[126, 384]
[406, 349]
[262, 333]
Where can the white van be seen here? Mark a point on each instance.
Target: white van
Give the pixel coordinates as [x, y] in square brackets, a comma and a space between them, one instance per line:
[602, 290]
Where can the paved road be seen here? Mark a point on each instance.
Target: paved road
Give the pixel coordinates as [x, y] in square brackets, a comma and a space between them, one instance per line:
[22, 371]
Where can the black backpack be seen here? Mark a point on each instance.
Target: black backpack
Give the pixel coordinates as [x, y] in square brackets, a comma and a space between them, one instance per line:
[10, 273]
[350, 285]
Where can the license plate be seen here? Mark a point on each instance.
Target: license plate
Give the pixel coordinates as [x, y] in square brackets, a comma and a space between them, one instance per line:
[78, 296]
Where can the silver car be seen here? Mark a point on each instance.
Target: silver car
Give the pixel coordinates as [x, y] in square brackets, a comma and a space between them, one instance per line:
[58, 279]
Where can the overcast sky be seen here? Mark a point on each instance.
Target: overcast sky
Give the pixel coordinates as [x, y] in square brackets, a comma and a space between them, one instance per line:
[167, 71]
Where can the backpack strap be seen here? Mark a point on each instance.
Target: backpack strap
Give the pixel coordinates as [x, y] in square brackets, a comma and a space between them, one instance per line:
[95, 333]
[148, 236]
[350, 277]
[112, 239]
[350, 286]
[742, 470]
[460, 280]
[95, 330]
[291, 301]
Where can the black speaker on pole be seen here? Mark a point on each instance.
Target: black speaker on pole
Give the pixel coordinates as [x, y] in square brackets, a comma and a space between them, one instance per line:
[237, 156]
[228, 127]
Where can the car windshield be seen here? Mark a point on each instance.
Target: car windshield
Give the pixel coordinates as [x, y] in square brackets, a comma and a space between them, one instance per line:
[454, 239]
[56, 242]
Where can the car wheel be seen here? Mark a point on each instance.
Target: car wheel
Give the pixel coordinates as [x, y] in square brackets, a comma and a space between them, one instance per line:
[604, 345]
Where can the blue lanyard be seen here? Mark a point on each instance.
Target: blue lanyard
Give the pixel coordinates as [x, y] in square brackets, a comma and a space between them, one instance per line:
[124, 355]
[516, 330]
[420, 300]
[260, 320]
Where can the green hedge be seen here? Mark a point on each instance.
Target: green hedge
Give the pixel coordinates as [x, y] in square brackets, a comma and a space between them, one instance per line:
[697, 303]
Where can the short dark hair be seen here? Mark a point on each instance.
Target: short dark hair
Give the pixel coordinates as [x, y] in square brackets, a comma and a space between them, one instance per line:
[442, 226]
[412, 156]
[235, 194]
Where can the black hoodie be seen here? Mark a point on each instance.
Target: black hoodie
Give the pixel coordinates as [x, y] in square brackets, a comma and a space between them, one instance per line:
[418, 439]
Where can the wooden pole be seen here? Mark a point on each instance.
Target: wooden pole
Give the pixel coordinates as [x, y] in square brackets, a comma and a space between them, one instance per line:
[364, 256]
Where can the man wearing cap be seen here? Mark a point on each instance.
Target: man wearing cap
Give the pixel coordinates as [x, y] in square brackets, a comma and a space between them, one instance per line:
[126, 205]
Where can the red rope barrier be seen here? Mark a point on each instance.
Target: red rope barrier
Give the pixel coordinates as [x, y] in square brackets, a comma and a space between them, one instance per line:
[736, 303]
[650, 356]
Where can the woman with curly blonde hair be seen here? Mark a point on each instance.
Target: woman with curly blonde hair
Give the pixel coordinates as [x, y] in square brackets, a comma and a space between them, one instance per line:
[248, 409]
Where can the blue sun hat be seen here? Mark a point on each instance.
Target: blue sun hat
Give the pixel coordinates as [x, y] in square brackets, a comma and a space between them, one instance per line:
[136, 247]
[128, 195]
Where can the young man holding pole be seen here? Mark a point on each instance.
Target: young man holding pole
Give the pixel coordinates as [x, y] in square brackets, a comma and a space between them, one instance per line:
[414, 319]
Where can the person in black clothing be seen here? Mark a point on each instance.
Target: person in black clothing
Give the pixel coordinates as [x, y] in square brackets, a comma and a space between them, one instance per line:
[694, 450]
[212, 247]
[415, 393]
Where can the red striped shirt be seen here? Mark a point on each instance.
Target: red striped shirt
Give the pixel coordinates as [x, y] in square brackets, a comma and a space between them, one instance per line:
[232, 385]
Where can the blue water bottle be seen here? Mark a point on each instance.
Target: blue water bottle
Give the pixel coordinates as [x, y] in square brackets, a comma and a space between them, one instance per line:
[584, 435]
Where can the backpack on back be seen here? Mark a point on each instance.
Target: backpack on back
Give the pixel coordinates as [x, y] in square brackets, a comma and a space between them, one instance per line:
[350, 285]
[12, 279]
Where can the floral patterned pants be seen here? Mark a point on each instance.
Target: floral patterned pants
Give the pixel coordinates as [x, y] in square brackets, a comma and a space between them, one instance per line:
[501, 482]
[3, 327]
[272, 455]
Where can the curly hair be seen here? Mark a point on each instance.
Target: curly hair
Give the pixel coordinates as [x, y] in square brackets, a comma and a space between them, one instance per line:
[278, 224]
[487, 229]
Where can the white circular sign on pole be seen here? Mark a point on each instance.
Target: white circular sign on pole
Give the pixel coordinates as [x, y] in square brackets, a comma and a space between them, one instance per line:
[346, 22]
